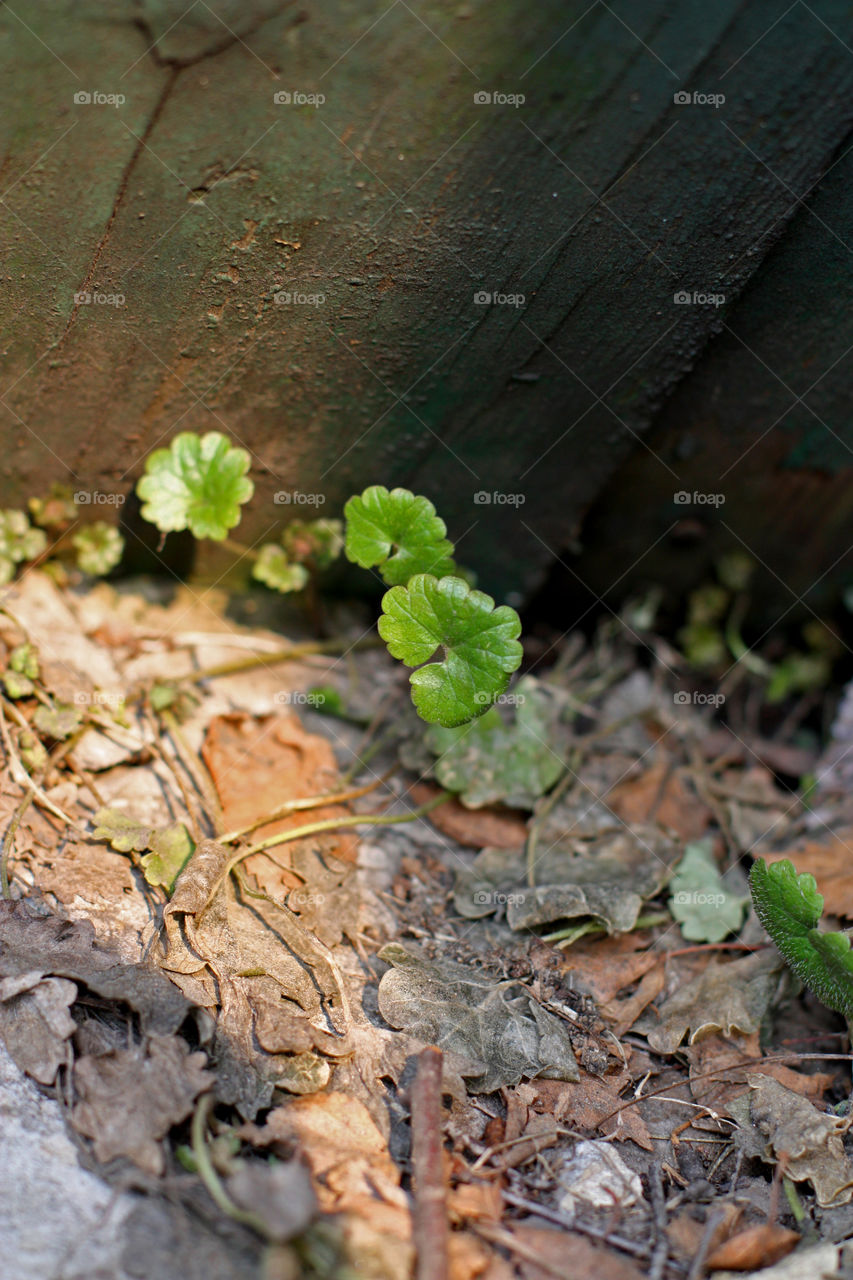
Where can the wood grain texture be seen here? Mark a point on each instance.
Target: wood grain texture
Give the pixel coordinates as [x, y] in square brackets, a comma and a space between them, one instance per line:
[397, 200]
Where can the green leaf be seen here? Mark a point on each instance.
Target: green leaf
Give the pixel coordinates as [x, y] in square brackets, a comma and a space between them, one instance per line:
[58, 721]
[789, 906]
[24, 659]
[171, 849]
[397, 532]
[33, 754]
[479, 643]
[273, 568]
[489, 760]
[198, 483]
[125, 834]
[699, 899]
[18, 539]
[317, 541]
[17, 685]
[99, 547]
[23, 670]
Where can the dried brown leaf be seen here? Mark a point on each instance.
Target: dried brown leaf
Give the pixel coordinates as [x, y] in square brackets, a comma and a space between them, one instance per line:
[497, 1025]
[757, 1247]
[35, 1023]
[129, 1100]
[809, 1140]
[726, 997]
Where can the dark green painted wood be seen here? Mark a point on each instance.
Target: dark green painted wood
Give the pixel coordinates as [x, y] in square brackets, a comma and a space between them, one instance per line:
[398, 199]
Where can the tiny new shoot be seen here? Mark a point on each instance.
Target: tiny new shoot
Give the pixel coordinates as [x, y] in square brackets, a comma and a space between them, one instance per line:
[463, 648]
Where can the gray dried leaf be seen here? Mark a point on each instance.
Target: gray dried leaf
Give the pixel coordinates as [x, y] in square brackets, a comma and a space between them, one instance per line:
[496, 1025]
[810, 1140]
[281, 1195]
[726, 997]
[129, 1100]
[35, 1023]
[604, 880]
[69, 949]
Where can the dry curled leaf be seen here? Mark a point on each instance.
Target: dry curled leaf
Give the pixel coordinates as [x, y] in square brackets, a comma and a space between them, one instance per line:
[809, 1140]
[604, 880]
[69, 949]
[129, 1100]
[726, 997]
[35, 1023]
[757, 1247]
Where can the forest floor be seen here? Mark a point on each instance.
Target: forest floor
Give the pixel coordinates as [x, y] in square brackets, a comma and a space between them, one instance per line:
[531, 1032]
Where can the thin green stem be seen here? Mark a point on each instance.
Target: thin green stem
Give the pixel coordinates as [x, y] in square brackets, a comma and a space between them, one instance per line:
[208, 1174]
[314, 828]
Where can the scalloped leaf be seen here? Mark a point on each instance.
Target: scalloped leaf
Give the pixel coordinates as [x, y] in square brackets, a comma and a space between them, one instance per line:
[789, 906]
[479, 643]
[318, 541]
[124, 833]
[490, 760]
[399, 533]
[99, 547]
[700, 900]
[198, 483]
[273, 568]
[170, 850]
[19, 541]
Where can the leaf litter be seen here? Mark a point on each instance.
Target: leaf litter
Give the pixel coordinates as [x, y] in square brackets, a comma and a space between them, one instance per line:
[200, 1006]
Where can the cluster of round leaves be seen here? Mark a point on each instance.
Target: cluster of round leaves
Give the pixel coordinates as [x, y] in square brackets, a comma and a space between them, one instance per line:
[463, 648]
[430, 611]
[25, 537]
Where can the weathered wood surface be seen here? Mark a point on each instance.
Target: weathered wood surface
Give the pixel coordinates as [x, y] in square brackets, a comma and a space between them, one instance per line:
[398, 199]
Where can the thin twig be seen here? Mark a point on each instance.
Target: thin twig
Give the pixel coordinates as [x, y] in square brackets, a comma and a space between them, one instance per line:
[430, 1188]
[661, 1247]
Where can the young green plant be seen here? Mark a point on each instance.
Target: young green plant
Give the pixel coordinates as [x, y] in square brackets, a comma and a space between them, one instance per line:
[463, 648]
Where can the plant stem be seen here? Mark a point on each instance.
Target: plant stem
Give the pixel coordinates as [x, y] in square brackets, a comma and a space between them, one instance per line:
[291, 654]
[309, 802]
[328, 824]
[208, 1174]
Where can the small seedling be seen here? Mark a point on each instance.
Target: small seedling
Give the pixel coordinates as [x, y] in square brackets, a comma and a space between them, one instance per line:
[789, 906]
[46, 535]
[430, 612]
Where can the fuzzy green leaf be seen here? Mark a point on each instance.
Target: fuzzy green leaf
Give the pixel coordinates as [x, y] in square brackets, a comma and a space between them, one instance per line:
[99, 547]
[198, 483]
[17, 685]
[318, 541]
[399, 533]
[125, 834]
[490, 760]
[24, 659]
[273, 568]
[700, 900]
[789, 906]
[479, 643]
